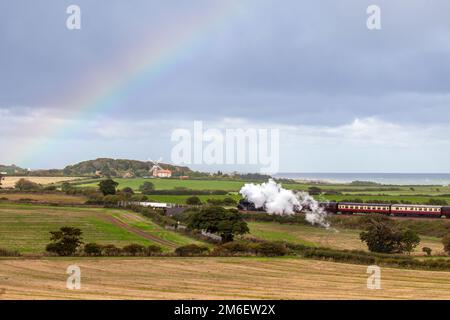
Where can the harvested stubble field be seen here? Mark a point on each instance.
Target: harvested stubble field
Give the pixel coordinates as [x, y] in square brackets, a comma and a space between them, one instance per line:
[213, 278]
[10, 181]
[60, 198]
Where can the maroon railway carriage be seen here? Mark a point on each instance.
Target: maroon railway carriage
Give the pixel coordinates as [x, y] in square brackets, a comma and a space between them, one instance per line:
[416, 210]
[350, 208]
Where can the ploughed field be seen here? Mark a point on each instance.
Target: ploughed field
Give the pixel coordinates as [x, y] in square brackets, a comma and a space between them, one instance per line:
[26, 227]
[213, 278]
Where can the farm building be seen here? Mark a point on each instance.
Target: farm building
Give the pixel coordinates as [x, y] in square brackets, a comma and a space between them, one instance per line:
[162, 173]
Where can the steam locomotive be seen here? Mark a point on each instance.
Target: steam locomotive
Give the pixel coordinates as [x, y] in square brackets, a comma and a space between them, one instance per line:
[399, 210]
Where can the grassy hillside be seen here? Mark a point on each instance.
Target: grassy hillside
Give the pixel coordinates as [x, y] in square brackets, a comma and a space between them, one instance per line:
[214, 278]
[26, 227]
[320, 237]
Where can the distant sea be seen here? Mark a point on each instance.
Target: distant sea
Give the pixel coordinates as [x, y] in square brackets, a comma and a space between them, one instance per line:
[383, 178]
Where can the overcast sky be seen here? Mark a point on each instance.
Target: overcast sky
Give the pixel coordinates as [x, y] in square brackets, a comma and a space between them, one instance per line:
[344, 98]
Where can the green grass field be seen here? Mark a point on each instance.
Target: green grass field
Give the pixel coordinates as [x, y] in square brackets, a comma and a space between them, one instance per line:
[343, 239]
[26, 227]
[165, 184]
[182, 199]
[414, 194]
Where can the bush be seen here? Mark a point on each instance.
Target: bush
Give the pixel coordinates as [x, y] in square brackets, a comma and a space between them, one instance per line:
[111, 250]
[8, 253]
[446, 243]
[147, 187]
[270, 249]
[139, 197]
[112, 200]
[93, 249]
[193, 201]
[234, 248]
[134, 249]
[427, 250]
[191, 250]
[437, 202]
[228, 201]
[65, 187]
[153, 250]
[26, 185]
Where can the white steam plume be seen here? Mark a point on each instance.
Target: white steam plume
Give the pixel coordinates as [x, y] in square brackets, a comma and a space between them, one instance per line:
[276, 200]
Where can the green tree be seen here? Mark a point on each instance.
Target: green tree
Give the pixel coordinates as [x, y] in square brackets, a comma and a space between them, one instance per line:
[409, 241]
[214, 219]
[65, 186]
[228, 201]
[193, 201]
[108, 187]
[147, 187]
[383, 236]
[65, 242]
[446, 243]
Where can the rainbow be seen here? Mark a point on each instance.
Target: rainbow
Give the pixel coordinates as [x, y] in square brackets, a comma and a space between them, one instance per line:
[143, 65]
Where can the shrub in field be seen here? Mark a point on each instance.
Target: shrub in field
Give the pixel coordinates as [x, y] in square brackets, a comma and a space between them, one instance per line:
[108, 186]
[437, 202]
[111, 250]
[191, 250]
[235, 248]
[139, 197]
[270, 249]
[112, 200]
[65, 187]
[427, 250]
[134, 249]
[228, 201]
[27, 185]
[193, 201]
[65, 241]
[446, 243]
[153, 250]
[147, 187]
[8, 253]
[93, 249]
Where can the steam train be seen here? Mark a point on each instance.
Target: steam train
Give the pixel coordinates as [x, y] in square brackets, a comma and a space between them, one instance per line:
[398, 210]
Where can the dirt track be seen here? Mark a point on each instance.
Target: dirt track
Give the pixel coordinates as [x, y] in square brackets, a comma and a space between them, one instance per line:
[137, 231]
